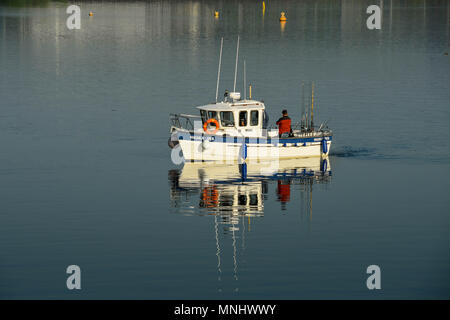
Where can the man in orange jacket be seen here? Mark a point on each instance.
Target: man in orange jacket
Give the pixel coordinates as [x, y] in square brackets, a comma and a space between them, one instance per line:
[284, 125]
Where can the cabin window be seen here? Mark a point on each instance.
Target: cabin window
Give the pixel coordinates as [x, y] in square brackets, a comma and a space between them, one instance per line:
[205, 115]
[212, 115]
[254, 117]
[227, 118]
[243, 118]
[265, 120]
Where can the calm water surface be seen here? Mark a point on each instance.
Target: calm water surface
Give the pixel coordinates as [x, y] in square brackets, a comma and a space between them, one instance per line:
[86, 176]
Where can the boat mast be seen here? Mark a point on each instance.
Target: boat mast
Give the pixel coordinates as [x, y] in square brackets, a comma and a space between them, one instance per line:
[308, 110]
[218, 72]
[302, 111]
[312, 106]
[235, 68]
[245, 84]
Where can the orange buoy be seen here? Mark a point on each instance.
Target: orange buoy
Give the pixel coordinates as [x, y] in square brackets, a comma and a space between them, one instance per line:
[212, 120]
[91, 13]
[283, 17]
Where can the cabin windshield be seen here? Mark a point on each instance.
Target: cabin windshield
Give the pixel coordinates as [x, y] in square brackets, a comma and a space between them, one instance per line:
[208, 115]
[234, 119]
[227, 118]
[212, 115]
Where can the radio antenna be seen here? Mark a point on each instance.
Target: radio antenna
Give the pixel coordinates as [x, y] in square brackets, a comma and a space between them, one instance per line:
[218, 71]
[302, 109]
[235, 68]
[312, 106]
[245, 83]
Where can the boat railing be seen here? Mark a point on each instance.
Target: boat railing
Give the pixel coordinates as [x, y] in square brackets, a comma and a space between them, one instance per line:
[315, 131]
[183, 121]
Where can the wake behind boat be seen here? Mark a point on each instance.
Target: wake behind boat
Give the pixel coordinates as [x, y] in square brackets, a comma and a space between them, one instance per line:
[236, 129]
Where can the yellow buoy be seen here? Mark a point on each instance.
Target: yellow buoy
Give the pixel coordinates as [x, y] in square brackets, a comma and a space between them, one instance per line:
[216, 14]
[283, 17]
[91, 13]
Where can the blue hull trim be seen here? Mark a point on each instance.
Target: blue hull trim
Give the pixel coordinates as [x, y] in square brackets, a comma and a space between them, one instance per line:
[255, 140]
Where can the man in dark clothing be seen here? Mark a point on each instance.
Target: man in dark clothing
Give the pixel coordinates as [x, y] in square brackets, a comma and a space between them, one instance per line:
[284, 125]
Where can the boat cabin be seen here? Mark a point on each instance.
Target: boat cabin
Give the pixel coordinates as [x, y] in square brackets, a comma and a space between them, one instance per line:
[247, 117]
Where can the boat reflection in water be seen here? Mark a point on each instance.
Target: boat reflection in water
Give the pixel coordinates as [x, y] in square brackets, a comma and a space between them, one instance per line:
[234, 193]
[234, 190]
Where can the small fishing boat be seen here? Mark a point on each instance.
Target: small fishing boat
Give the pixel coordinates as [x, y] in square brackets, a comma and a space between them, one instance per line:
[236, 129]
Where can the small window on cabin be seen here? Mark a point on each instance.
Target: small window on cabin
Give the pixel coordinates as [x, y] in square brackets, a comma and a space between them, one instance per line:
[254, 117]
[212, 115]
[243, 118]
[227, 118]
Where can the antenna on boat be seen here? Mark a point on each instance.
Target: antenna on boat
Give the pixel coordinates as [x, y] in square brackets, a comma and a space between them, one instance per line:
[302, 114]
[218, 72]
[235, 68]
[307, 108]
[245, 83]
[312, 106]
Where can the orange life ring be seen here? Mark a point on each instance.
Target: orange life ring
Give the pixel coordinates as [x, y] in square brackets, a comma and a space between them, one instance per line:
[212, 120]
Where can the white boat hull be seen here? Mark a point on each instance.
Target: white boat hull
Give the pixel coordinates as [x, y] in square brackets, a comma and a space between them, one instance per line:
[210, 149]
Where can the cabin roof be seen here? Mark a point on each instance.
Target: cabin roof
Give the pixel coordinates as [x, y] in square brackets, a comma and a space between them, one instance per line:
[230, 106]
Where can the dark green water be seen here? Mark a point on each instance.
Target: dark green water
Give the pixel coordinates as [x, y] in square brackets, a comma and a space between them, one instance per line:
[86, 176]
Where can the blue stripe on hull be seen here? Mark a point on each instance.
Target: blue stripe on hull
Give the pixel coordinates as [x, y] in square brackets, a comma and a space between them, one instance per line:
[256, 140]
